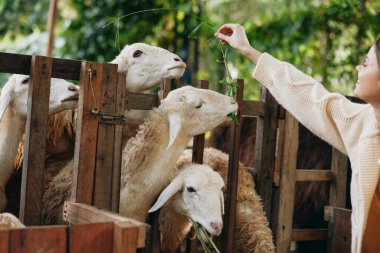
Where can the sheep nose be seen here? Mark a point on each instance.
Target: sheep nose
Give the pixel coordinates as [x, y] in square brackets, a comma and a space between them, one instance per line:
[217, 226]
[177, 59]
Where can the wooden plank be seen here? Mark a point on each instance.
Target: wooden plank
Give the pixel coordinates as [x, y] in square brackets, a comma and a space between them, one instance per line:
[339, 165]
[125, 238]
[94, 238]
[165, 87]
[309, 234]
[21, 64]
[314, 175]
[4, 241]
[86, 136]
[116, 171]
[265, 149]
[340, 231]
[35, 141]
[105, 139]
[140, 101]
[76, 213]
[197, 157]
[278, 152]
[287, 185]
[66, 69]
[252, 108]
[38, 239]
[228, 233]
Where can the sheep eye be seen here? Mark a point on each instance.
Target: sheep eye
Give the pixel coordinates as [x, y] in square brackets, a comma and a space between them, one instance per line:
[25, 81]
[190, 189]
[137, 53]
[199, 106]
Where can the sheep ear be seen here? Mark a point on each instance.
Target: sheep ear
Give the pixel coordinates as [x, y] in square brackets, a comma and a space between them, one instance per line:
[174, 127]
[5, 100]
[222, 202]
[167, 193]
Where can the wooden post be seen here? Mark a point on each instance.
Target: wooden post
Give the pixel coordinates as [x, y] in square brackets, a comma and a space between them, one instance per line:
[96, 237]
[86, 136]
[4, 240]
[116, 175]
[339, 235]
[105, 138]
[339, 163]
[198, 148]
[232, 178]
[94, 149]
[35, 141]
[38, 239]
[125, 238]
[284, 213]
[265, 149]
[52, 19]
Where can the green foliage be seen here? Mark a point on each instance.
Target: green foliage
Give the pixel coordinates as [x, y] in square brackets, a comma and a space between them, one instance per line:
[326, 39]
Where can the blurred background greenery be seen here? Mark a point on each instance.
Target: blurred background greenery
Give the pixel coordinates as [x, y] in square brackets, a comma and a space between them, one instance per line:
[326, 39]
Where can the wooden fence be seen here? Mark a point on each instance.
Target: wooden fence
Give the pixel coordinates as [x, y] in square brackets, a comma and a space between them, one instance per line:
[98, 148]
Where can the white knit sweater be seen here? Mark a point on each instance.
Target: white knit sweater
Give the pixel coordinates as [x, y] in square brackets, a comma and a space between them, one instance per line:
[349, 127]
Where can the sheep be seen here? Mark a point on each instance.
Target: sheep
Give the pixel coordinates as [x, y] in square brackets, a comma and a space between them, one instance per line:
[145, 66]
[195, 193]
[148, 158]
[8, 221]
[252, 228]
[13, 111]
[311, 197]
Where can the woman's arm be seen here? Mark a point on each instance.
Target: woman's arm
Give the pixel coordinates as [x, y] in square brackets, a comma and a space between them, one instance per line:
[329, 115]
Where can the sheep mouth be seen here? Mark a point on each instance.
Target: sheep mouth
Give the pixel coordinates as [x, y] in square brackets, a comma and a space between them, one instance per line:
[181, 66]
[71, 98]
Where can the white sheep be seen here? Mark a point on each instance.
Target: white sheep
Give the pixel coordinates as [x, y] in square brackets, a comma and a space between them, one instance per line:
[252, 229]
[145, 66]
[9, 221]
[149, 157]
[13, 111]
[195, 193]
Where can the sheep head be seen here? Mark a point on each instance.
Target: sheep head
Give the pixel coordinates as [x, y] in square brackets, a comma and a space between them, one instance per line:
[145, 66]
[198, 192]
[192, 111]
[63, 95]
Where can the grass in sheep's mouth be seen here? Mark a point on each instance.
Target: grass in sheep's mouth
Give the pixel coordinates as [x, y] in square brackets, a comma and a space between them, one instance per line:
[206, 246]
[233, 117]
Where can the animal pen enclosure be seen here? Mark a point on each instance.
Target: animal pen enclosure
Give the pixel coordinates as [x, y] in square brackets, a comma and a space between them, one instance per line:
[97, 162]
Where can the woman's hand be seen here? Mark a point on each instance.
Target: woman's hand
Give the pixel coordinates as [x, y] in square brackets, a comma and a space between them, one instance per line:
[235, 36]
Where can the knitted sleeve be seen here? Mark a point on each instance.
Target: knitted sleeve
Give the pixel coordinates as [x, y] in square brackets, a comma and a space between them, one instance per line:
[330, 116]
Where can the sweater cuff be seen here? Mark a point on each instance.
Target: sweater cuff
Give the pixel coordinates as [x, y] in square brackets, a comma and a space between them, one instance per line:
[267, 66]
